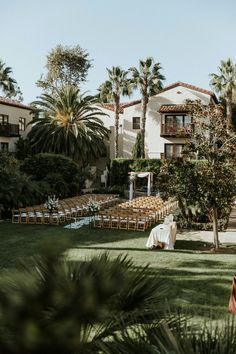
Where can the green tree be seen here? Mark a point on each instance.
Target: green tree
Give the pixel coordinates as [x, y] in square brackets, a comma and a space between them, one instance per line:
[225, 84]
[23, 148]
[111, 91]
[69, 124]
[16, 189]
[7, 83]
[217, 145]
[63, 176]
[136, 151]
[149, 81]
[65, 66]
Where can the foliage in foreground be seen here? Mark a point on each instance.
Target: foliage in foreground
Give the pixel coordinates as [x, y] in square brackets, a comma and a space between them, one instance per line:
[66, 307]
[97, 306]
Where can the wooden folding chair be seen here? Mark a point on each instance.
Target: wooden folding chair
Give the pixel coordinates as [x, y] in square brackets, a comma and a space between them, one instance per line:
[15, 216]
[23, 216]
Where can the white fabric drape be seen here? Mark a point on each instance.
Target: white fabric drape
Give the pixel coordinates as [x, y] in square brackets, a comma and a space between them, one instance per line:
[140, 175]
[131, 190]
[149, 185]
[143, 174]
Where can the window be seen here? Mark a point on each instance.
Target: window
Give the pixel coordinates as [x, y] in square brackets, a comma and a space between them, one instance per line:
[4, 119]
[173, 151]
[4, 146]
[22, 123]
[178, 120]
[136, 122]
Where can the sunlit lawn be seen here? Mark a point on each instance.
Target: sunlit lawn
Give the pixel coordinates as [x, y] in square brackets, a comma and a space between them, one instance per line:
[199, 282]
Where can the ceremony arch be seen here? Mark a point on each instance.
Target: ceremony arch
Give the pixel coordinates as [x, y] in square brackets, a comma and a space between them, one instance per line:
[134, 175]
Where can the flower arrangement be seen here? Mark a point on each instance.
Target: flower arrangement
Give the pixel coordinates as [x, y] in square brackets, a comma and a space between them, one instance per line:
[93, 206]
[52, 203]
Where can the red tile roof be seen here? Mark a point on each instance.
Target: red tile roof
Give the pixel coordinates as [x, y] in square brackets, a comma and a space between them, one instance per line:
[123, 105]
[110, 106]
[176, 108]
[191, 87]
[14, 103]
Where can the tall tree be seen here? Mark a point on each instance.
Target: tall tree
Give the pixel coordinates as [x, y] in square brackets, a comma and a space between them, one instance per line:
[7, 83]
[111, 91]
[136, 151]
[68, 123]
[225, 84]
[149, 81]
[217, 145]
[65, 66]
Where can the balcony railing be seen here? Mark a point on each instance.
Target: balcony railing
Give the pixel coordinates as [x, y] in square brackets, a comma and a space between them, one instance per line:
[176, 130]
[8, 129]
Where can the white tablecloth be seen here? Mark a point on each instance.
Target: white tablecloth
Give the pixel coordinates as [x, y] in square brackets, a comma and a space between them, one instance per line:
[164, 234]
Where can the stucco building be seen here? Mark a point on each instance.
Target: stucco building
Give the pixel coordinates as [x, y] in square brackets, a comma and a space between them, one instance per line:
[168, 121]
[14, 117]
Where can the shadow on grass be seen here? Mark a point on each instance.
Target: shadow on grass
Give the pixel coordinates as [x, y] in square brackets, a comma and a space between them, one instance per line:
[200, 293]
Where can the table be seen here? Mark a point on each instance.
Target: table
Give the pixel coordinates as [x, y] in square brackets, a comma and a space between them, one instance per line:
[163, 234]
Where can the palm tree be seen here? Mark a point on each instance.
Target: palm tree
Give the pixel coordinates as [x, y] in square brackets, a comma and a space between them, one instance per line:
[7, 83]
[225, 84]
[68, 123]
[111, 91]
[148, 80]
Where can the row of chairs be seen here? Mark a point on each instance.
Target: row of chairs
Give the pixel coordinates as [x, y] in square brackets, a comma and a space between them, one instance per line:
[122, 220]
[135, 218]
[69, 208]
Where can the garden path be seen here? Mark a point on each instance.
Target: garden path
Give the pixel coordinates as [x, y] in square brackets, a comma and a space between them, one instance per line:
[232, 220]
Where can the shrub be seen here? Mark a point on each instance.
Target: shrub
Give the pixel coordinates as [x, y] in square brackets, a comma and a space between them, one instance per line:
[23, 148]
[41, 164]
[64, 177]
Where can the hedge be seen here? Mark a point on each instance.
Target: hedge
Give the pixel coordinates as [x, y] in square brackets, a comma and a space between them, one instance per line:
[120, 168]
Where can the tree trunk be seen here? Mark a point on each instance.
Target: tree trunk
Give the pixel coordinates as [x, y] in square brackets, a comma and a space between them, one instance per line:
[117, 112]
[143, 125]
[229, 109]
[215, 227]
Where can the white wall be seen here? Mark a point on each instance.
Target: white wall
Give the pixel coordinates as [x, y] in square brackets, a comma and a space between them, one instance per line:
[155, 144]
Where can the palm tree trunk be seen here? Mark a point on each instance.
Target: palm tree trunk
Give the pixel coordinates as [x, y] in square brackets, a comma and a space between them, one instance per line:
[229, 109]
[215, 227]
[117, 112]
[143, 125]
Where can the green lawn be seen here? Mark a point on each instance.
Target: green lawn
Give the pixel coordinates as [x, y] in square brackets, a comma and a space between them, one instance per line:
[200, 282]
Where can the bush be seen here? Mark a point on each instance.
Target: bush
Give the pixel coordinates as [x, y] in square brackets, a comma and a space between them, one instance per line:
[23, 149]
[64, 177]
[41, 164]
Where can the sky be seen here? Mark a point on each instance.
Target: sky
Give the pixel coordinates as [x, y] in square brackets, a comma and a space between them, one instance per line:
[188, 37]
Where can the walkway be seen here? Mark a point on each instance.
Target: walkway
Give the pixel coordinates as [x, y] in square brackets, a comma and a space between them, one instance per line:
[232, 220]
[207, 236]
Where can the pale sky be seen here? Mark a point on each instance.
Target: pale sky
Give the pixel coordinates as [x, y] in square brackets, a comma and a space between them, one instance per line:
[188, 37]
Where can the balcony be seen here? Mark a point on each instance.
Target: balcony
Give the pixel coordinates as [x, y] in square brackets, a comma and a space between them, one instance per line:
[176, 130]
[10, 130]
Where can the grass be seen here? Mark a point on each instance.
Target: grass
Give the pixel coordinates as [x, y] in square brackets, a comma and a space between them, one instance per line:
[197, 281]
